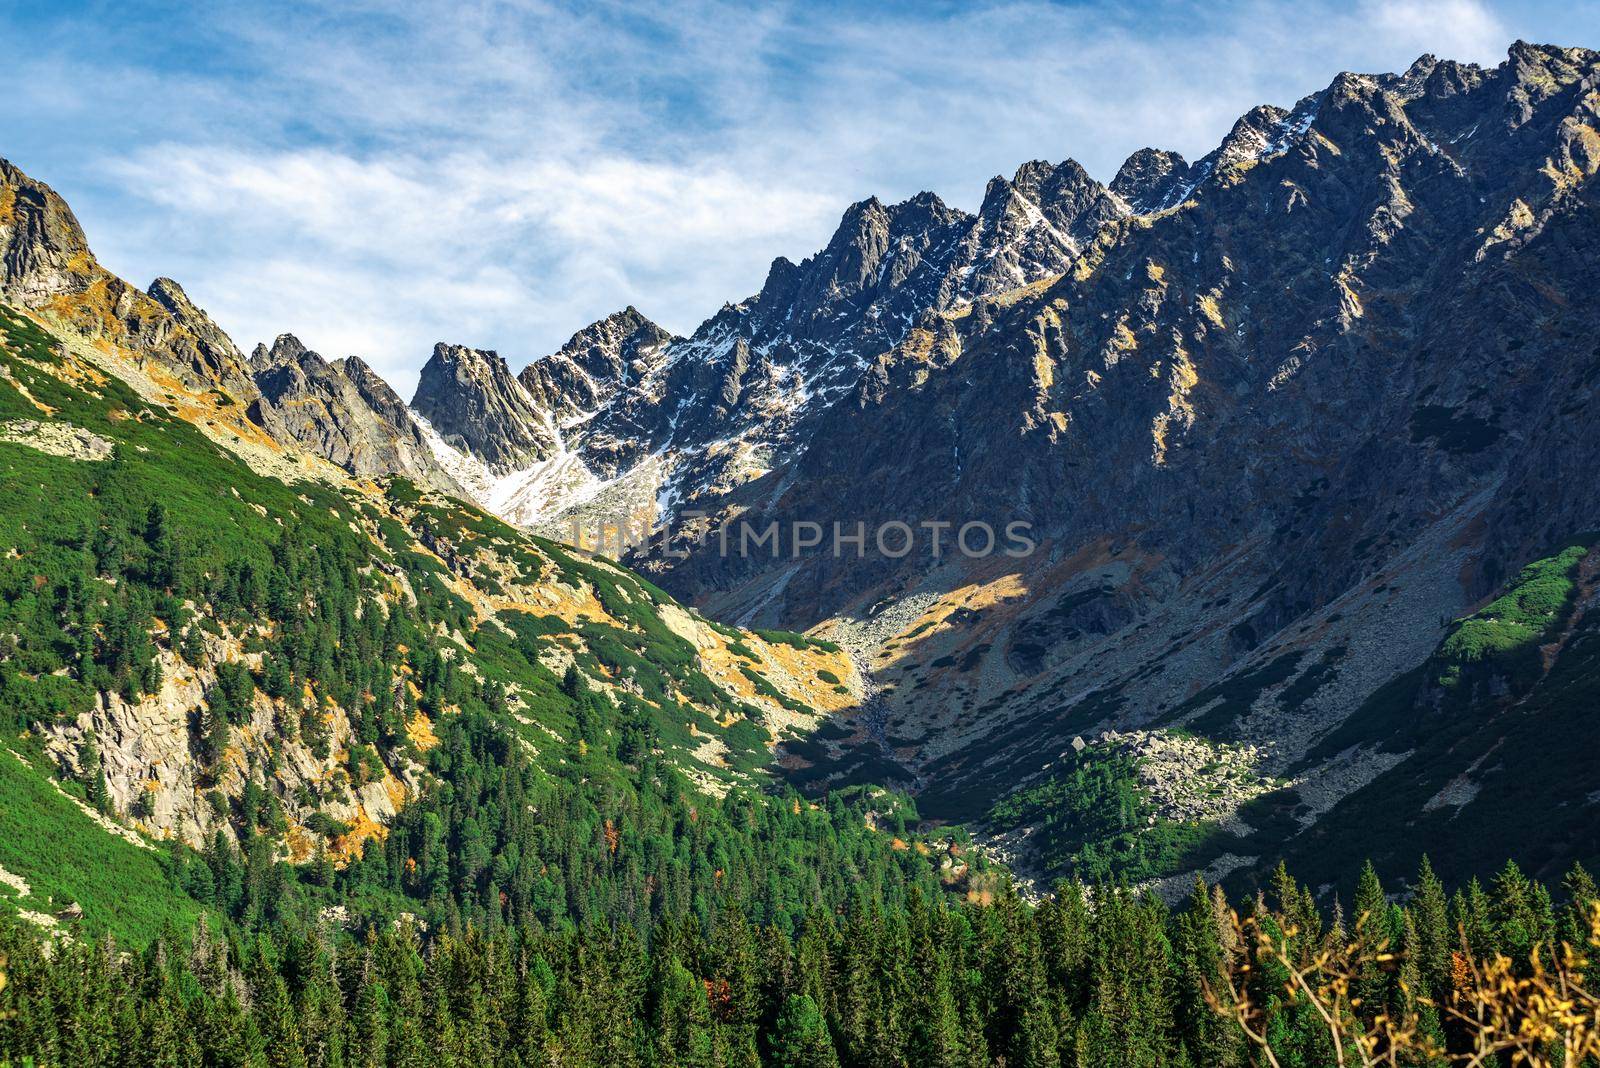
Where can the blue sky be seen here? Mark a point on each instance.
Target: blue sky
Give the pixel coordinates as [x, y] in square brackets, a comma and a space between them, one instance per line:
[500, 174]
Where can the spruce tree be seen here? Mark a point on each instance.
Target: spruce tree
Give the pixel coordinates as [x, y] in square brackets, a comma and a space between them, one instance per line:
[1202, 998]
[1370, 991]
[1413, 1006]
[1431, 914]
[1574, 924]
[92, 773]
[800, 1036]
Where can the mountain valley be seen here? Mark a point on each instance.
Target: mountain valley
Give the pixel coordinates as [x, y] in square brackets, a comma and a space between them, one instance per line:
[390, 710]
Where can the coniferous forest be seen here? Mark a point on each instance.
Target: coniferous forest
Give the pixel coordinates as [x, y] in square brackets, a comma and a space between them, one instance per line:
[1092, 976]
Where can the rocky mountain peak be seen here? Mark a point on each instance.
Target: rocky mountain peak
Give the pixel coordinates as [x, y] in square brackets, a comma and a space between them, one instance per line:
[46, 265]
[722, 405]
[342, 411]
[1150, 180]
[285, 349]
[43, 251]
[1066, 196]
[1251, 135]
[372, 387]
[857, 245]
[596, 362]
[924, 211]
[874, 250]
[733, 401]
[997, 195]
[1539, 72]
[1028, 228]
[781, 277]
[476, 404]
[210, 336]
[170, 295]
[1043, 182]
[386, 404]
[1421, 67]
[1030, 176]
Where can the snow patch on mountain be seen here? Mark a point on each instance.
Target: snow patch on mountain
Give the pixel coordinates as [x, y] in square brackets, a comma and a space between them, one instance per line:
[524, 497]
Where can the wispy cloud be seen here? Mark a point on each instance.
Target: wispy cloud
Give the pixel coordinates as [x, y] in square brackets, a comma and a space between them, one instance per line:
[387, 254]
[500, 173]
[1459, 29]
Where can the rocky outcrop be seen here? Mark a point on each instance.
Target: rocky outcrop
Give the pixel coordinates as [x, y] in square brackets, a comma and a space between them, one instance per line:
[1029, 228]
[470, 397]
[43, 252]
[155, 781]
[343, 412]
[218, 356]
[594, 365]
[57, 439]
[1151, 180]
[46, 266]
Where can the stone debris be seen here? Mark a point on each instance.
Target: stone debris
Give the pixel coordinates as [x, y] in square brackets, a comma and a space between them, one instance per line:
[1192, 779]
[16, 882]
[57, 439]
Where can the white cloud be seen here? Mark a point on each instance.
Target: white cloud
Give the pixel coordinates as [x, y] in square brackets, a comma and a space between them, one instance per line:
[383, 257]
[1455, 29]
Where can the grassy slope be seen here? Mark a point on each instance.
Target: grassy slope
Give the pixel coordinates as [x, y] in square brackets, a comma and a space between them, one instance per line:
[62, 854]
[66, 857]
[1096, 824]
[226, 511]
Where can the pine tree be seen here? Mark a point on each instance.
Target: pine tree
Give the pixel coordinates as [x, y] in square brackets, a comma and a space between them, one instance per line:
[1431, 913]
[935, 1016]
[1514, 913]
[1370, 991]
[274, 1014]
[1130, 1015]
[1412, 1002]
[215, 738]
[164, 555]
[682, 1025]
[192, 647]
[800, 1037]
[1470, 918]
[92, 773]
[1574, 924]
[1208, 1035]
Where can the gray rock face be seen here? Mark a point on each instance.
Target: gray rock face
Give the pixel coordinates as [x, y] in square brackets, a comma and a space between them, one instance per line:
[147, 760]
[56, 438]
[341, 411]
[214, 348]
[44, 250]
[1151, 180]
[46, 266]
[1328, 398]
[711, 411]
[475, 403]
[595, 364]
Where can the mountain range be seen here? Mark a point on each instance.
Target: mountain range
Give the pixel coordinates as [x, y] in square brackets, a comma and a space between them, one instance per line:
[1303, 432]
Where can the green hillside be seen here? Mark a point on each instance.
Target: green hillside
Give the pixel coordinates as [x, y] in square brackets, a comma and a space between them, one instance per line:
[65, 858]
[547, 800]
